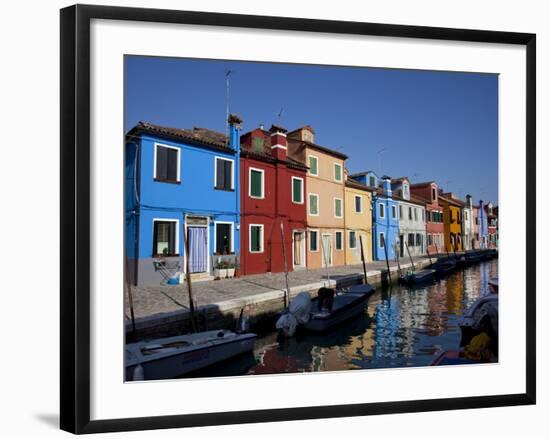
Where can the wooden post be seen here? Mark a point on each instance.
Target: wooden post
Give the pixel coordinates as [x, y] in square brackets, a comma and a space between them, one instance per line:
[410, 257]
[447, 251]
[386, 253]
[287, 292]
[363, 259]
[130, 298]
[397, 260]
[188, 277]
[428, 252]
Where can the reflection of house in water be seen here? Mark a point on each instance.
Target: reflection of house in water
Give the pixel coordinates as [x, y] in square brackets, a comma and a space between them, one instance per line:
[436, 322]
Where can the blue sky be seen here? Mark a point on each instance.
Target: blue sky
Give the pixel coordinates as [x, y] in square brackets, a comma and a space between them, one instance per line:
[440, 126]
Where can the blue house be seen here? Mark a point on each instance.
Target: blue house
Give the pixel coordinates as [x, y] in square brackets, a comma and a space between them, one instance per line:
[385, 221]
[181, 184]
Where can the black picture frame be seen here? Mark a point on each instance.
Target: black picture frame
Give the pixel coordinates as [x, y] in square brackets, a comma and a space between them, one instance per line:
[75, 217]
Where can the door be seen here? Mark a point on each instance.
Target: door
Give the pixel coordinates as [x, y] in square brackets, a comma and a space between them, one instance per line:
[401, 246]
[299, 249]
[327, 249]
[198, 249]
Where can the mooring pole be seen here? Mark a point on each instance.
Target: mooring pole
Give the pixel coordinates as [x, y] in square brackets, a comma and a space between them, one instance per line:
[397, 260]
[428, 252]
[363, 259]
[130, 297]
[188, 278]
[410, 257]
[386, 253]
[287, 292]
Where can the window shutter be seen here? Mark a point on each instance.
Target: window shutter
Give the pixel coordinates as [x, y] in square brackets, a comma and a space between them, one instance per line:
[172, 238]
[172, 164]
[256, 183]
[220, 168]
[228, 173]
[297, 190]
[161, 163]
[155, 237]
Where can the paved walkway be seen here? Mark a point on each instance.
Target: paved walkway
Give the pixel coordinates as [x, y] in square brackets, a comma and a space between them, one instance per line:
[155, 299]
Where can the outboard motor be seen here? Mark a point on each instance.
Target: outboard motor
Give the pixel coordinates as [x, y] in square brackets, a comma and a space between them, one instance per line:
[298, 313]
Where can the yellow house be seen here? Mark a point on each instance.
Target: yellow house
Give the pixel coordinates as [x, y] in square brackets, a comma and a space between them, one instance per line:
[452, 221]
[358, 221]
[325, 198]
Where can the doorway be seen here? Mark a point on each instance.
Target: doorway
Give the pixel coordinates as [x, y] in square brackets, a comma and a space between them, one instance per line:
[299, 249]
[327, 249]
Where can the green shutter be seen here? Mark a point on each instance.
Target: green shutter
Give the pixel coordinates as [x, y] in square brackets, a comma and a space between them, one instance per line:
[337, 207]
[255, 238]
[337, 172]
[313, 165]
[313, 208]
[297, 190]
[255, 183]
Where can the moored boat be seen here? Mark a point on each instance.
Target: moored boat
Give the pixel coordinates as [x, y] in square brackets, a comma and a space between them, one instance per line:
[443, 266]
[418, 277]
[170, 357]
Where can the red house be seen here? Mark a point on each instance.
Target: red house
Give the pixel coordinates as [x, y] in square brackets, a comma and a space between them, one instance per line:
[428, 193]
[273, 193]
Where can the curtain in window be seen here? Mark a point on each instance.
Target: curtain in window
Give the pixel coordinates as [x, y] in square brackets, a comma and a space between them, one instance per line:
[198, 255]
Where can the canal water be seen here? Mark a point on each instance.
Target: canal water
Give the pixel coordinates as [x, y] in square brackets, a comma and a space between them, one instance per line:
[401, 327]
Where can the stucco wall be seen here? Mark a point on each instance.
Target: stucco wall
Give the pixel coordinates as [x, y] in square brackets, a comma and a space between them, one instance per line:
[361, 223]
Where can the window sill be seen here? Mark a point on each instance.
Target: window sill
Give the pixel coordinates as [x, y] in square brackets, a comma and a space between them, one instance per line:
[225, 254]
[161, 180]
[223, 189]
[171, 255]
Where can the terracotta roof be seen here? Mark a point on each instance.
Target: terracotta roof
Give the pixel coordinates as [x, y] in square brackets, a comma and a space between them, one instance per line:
[425, 183]
[196, 135]
[320, 148]
[398, 198]
[268, 157]
[356, 185]
[399, 179]
[447, 198]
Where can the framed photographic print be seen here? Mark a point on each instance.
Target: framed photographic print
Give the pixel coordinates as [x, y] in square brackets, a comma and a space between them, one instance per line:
[268, 218]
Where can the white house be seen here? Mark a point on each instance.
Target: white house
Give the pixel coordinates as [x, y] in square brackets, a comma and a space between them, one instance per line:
[468, 231]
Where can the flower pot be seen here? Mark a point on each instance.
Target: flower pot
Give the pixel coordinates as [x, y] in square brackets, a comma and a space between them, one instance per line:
[220, 273]
[230, 272]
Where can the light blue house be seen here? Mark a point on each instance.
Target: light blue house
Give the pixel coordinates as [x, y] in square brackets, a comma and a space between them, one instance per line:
[483, 225]
[181, 184]
[385, 221]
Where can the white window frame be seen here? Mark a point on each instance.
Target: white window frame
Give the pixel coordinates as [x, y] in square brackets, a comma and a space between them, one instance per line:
[383, 210]
[216, 158]
[232, 234]
[349, 239]
[250, 183]
[341, 207]
[341, 172]
[163, 145]
[393, 211]
[169, 220]
[336, 233]
[309, 170]
[309, 204]
[360, 203]
[309, 240]
[250, 238]
[301, 191]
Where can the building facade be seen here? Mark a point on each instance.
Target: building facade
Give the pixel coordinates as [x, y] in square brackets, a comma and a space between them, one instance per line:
[181, 185]
[412, 219]
[483, 226]
[273, 193]
[324, 200]
[358, 221]
[452, 221]
[435, 230]
[385, 222]
[475, 214]
[468, 240]
[492, 225]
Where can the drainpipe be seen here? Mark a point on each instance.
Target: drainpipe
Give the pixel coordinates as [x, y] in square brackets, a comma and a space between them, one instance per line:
[235, 143]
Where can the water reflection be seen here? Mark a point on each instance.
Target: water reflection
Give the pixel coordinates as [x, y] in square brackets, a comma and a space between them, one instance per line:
[401, 327]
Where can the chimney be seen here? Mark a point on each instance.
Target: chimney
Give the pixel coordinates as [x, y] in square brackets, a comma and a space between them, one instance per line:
[278, 142]
[305, 133]
[386, 186]
[469, 200]
[234, 122]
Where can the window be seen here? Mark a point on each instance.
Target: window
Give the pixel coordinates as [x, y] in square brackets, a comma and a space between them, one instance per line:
[258, 144]
[313, 204]
[465, 215]
[381, 210]
[167, 166]
[400, 212]
[313, 240]
[256, 238]
[338, 244]
[410, 239]
[372, 181]
[381, 240]
[256, 177]
[410, 213]
[338, 208]
[406, 191]
[423, 217]
[313, 165]
[415, 214]
[394, 212]
[358, 204]
[337, 172]
[165, 239]
[297, 190]
[224, 238]
[433, 194]
[352, 239]
[224, 174]
[418, 239]
[430, 240]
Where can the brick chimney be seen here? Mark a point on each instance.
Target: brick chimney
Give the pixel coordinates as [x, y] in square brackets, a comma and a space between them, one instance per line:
[386, 186]
[278, 142]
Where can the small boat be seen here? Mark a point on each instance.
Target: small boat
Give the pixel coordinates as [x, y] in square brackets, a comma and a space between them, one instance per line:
[418, 277]
[347, 304]
[493, 285]
[481, 317]
[171, 357]
[313, 315]
[443, 267]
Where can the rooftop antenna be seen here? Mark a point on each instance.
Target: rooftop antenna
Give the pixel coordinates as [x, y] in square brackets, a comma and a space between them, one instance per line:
[279, 116]
[227, 73]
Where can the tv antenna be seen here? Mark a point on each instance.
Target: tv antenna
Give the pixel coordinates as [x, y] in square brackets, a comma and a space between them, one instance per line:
[227, 74]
